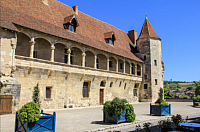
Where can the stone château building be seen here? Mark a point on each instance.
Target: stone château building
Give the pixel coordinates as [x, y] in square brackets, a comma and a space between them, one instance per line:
[74, 58]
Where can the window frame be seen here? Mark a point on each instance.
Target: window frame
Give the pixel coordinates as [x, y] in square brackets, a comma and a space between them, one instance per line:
[155, 62]
[50, 92]
[156, 81]
[86, 92]
[146, 86]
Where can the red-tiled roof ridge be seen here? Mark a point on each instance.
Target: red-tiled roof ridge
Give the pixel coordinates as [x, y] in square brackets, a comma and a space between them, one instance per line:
[147, 31]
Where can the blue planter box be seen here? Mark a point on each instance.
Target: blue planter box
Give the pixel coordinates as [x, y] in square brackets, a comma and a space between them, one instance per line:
[160, 109]
[115, 118]
[46, 123]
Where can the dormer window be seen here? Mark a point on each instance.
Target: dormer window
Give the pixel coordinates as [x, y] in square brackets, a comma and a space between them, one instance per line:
[109, 38]
[70, 23]
[70, 27]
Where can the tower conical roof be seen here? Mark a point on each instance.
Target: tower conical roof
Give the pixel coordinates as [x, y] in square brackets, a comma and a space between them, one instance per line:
[148, 31]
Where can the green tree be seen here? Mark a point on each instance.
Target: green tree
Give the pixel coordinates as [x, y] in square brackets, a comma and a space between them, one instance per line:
[197, 83]
[168, 93]
[197, 90]
[35, 96]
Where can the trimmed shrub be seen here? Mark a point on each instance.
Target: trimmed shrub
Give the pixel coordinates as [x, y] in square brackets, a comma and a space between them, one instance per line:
[30, 112]
[117, 107]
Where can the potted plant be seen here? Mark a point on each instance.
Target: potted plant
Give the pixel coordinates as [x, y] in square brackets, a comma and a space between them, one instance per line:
[161, 107]
[29, 119]
[118, 110]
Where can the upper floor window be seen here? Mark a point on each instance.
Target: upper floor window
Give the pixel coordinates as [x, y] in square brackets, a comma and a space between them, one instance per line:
[145, 57]
[109, 37]
[155, 62]
[156, 82]
[70, 27]
[70, 23]
[145, 77]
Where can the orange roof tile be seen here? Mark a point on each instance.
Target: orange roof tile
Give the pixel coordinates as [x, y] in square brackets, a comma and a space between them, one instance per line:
[34, 14]
[148, 31]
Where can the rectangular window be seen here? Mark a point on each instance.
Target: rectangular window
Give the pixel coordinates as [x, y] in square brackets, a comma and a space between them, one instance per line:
[145, 57]
[121, 67]
[155, 62]
[85, 90]
[134, 92]
[125, 86]
[145, 86]
[145, 77]
[48, 92]
[156, 83]
[110, 64]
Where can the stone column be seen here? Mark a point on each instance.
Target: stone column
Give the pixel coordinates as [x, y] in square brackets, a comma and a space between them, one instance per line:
[83, 59]
[117, 65]
[141, 70]
[68, 54]
[52, 52]
[130, 68]
[124, 66]
[135, 68]
[95, 61]
[13, 44]
[108, 63]
[32, 42]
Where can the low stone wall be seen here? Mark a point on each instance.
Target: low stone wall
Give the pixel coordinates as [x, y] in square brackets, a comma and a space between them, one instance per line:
[179, 100]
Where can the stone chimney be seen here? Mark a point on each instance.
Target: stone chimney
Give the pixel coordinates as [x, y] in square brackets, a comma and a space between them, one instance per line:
[46, 2]
[75, 8]
[133, 36]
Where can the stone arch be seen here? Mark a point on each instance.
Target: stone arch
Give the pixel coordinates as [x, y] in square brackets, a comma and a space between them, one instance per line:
[60, 53]
[27, 34]
[89, 59]
[43, 37]
[42, 49]
[90, 50]
[101, 61]
[127, 67]
[120, 65]
[138, 70]
[75, 46]
[103, 83]
[76, 56]
[112, 64]
[23, 45]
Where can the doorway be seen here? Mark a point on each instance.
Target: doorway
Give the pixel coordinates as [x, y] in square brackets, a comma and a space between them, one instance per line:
[101, 97]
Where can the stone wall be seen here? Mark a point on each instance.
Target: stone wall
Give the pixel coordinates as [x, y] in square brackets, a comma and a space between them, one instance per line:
[67, 89]
[156, 70]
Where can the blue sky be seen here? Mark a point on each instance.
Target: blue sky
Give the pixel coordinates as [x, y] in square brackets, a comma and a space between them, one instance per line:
[176, 22]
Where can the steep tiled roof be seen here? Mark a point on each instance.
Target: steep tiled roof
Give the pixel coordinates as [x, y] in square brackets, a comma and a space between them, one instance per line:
[148, 31]
[34, 14]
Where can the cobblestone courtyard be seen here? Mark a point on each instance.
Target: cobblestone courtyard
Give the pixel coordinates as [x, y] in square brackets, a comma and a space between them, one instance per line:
[90, 118]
